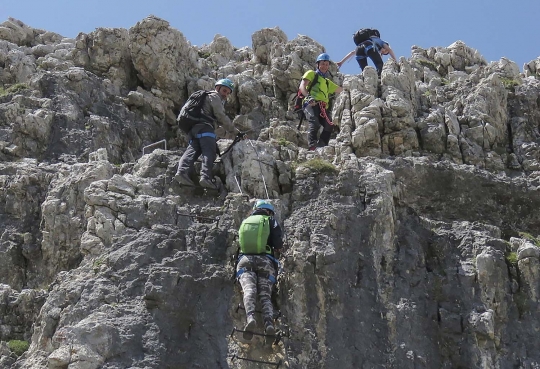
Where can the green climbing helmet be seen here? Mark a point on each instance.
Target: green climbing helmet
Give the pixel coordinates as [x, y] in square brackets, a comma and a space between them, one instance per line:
[264, 204]
[225, 82]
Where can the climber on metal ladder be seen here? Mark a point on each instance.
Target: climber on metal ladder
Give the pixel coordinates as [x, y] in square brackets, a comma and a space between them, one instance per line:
[260, 239]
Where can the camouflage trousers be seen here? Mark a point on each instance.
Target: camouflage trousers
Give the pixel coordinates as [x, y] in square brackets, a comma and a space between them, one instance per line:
[258, 275]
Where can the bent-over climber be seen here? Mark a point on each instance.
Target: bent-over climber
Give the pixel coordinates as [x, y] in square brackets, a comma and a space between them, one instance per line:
[260, 240]
[372, 47]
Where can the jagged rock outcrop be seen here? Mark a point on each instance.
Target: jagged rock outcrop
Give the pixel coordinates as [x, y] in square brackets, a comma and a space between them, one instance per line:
[19, 311]
[412, 239]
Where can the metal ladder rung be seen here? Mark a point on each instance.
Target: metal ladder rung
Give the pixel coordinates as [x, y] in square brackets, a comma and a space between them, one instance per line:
[155, 144]
[278, 364]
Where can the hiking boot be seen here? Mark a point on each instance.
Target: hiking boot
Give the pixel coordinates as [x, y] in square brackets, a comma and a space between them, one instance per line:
[269, 331]
[209, 183]
[250, 326]
[269, 328]
[183, 179]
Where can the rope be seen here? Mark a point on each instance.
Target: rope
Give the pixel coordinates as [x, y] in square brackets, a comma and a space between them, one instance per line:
[322, 106]
[260, 167]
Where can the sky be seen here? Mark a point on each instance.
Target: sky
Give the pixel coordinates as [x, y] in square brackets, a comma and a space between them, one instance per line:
[496, 28]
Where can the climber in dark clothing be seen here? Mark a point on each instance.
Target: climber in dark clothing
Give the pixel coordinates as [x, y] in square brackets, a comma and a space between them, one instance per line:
[202, 139]
[373, 49]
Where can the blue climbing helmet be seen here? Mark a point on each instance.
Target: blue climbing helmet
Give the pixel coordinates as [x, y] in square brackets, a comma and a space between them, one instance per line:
[264, 204]
[225, 82]
[323, 56]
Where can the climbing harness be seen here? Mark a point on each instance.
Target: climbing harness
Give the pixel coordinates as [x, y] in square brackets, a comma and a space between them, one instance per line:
[238, 255]
[299, 101]
[260, 167]
[205, 134]
[322, 107]
[369, 47]
[278, 364]
[260, 274]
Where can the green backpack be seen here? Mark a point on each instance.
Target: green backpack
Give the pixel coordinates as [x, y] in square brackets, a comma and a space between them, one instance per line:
[253, 234]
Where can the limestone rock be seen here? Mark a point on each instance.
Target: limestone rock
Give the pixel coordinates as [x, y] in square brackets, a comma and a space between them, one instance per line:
[19, 311]
[6, 356]
[532, 68]
[528, 250]
[106, 52]
[400, 234]
[15, 31]
[162, 57]
[264, 40]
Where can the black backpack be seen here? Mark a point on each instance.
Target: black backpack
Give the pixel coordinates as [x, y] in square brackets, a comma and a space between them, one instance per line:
[364, 34]
[191, 112]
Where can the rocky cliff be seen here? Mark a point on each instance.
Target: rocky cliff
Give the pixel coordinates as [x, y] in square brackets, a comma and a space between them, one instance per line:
[412, 239]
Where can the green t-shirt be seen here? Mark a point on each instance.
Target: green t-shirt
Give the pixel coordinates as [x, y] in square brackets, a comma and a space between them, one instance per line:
[322, 89]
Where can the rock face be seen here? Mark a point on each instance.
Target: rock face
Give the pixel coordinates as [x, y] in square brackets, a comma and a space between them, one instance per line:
[412, 240]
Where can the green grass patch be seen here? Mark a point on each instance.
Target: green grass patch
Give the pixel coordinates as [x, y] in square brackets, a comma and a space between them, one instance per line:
[512, 258]
[320, 166]
[283, 142]
[98, 263]
[530, 237]
[509, 83]
[13, 89]
[203, 55]
[427, 63]
[18, 347]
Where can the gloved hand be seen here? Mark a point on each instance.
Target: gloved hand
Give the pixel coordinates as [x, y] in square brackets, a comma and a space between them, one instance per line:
[309, 100]
[241, 135]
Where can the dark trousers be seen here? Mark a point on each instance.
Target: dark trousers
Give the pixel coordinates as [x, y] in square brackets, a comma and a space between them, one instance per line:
[372, 54]
[313, 115]
[205, 146]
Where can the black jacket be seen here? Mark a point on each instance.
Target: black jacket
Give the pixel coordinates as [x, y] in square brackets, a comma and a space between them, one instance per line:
[275, 238]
